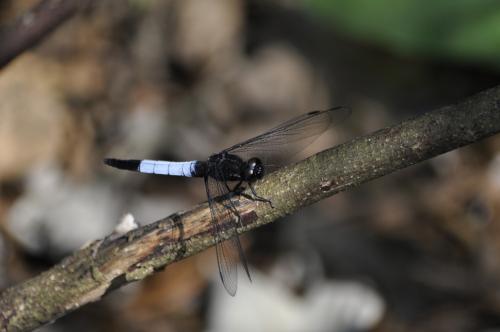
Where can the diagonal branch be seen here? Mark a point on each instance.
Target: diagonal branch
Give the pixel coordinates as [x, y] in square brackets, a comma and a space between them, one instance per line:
[34, 25]
[104, 265]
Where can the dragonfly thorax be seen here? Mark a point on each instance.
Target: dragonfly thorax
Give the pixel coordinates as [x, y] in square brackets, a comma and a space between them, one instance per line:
[229, 167]
[225, 167]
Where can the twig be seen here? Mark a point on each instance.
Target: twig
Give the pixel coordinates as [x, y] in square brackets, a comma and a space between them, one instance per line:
[34, 25]
[105, 265]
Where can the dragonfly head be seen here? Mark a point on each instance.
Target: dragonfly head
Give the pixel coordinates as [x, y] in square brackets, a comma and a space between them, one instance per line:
[254, 169]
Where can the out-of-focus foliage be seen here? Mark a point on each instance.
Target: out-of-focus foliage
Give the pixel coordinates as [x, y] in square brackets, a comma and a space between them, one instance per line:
[465, 30]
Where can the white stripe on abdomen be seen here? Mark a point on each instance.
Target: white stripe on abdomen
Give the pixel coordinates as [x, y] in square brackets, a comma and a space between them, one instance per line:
[176, 168]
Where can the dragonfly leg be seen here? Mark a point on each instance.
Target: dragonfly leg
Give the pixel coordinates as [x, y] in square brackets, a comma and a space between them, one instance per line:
[236, 189]
[257, 197]
[233, 209]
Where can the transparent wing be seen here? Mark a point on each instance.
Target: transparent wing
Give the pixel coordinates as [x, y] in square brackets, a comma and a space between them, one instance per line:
[229, 252]
[277, 146]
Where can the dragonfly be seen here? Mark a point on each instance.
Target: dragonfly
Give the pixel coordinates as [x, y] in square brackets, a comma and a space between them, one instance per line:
[226, 173]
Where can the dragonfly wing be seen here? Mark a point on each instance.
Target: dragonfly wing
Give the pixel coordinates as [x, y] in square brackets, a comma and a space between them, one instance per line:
[229, 252]
[277, 146]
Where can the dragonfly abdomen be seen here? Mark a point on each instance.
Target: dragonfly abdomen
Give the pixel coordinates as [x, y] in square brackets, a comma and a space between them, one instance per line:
[173, 168]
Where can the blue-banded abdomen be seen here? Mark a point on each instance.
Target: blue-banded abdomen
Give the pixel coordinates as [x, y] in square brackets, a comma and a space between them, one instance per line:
[191, 168]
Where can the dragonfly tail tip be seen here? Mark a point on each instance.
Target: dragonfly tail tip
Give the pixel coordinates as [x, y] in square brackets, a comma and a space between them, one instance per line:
[131, 165]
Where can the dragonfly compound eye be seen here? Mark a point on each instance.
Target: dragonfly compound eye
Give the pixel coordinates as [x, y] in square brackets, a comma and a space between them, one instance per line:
[255, 169]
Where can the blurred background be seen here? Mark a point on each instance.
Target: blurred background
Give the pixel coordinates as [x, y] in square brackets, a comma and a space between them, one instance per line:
[418, 250]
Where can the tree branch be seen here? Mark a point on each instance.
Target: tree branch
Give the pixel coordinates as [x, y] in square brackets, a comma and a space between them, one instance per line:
[104, 265]
[34, 25]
